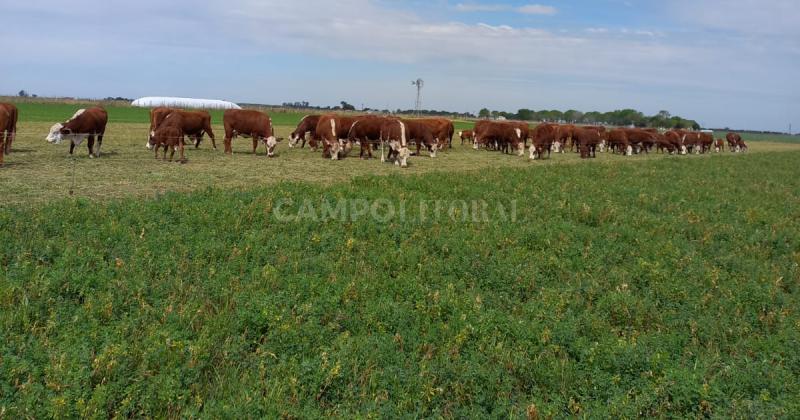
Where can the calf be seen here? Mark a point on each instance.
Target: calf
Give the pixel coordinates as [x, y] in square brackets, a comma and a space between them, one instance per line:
[86, 123]
[307, 126]
[467, 135]
[249, 123]
[169, 134]
[195, 123]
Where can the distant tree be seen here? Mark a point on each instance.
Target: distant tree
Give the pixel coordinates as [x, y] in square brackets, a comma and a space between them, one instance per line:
[23, 94]
[573, 116]
[484, 113]
[524, 115]
[347, 107]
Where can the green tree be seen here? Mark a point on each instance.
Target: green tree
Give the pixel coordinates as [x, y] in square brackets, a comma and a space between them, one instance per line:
[484, 113]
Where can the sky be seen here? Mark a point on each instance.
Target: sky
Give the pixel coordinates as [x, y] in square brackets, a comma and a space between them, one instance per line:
[724, 63]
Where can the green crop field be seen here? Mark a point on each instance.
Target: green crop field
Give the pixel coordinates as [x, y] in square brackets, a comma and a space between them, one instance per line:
[643, 286]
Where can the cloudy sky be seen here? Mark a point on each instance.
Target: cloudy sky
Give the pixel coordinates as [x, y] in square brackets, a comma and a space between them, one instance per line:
[723, 62]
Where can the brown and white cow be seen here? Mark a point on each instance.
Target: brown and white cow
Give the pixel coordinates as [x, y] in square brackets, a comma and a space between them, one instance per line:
[249, 123]
[641, 140]
[466, 135]
[333, 130]
[442, 130]
[587, 140]
[86, 123]
[504, 136]
[719, 145]
[618, 142]
[422, 133]
[306, 126]
[367, 132]
[542, 139]
[735, 143]
[170, 135]
[563, 138]
[195, 123]
[8, 128]
[676, 139]
[395, 134]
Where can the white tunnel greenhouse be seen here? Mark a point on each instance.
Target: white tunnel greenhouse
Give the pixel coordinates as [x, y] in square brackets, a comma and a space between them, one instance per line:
[156, 101]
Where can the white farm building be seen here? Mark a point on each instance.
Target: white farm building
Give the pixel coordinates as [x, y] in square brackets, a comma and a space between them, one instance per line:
[156, 101]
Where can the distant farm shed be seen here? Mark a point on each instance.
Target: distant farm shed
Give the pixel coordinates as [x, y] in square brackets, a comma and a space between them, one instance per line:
[156, 101]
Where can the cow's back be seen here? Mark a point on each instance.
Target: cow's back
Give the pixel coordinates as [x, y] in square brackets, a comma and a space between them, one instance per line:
[247, 121]
[91, 120]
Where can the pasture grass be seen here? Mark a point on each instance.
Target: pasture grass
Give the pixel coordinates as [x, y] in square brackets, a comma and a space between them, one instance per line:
[37, 172]
[666, 287]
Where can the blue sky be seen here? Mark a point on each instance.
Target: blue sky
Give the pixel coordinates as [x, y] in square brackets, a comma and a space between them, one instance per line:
[725, 63]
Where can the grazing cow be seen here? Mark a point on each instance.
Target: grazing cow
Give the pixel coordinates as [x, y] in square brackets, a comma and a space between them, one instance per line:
[8, 128]
[618, 142]
[249, 123]
[719, 145]
[691, 140]
[735, 143]
[169, 134]
[505, 136]
[395, 134]
[333, 130]
[542, 138]
[442, 130]
[587, 141]
[563, 138]
[86, 123]
[308, 125]
[157, 115]
[641, 140]
[467, 135]
[367, 132]
[705, 142]
[195, 123]
[675, 138]
[422, 134]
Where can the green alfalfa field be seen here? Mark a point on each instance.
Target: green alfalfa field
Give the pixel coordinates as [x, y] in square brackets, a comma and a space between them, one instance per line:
[620, 287]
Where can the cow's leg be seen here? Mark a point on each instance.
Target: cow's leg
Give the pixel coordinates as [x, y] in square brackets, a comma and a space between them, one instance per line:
[182, 153]
[99, 144]
[71, 146]
[255, 144]
[90, 145]
[158, 145]
[197, 139]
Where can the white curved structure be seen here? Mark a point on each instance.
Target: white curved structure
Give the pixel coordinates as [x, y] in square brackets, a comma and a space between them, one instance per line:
[155, 101]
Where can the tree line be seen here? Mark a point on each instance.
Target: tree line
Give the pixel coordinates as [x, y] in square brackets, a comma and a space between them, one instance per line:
[623, 117]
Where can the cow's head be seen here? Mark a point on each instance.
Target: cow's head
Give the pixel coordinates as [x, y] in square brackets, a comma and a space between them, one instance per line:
[56, 136]
[271, 142]
[335, 147]
[295, 138]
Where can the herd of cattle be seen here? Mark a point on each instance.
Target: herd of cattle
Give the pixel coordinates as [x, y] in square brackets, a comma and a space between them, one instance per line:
[336, 135]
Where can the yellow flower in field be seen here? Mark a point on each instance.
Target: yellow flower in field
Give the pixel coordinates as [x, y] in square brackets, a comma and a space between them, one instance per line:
[350, 243]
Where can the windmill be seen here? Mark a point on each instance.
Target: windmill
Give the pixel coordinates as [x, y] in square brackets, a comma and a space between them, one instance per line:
[419, 83]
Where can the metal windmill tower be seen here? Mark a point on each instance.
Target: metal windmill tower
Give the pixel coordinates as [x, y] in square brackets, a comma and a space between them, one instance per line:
[419, 83]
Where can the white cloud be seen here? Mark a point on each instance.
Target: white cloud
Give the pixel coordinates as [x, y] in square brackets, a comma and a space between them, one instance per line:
[537, 9]
[474, 7]
[530, 9]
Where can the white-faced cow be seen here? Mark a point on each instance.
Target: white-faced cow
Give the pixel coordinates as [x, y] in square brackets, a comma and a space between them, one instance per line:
[333, 130]
[249, 123]
[307, 126]
[504, 136]
[395, 134]
[466, 135]
[366, 131]
[542, 139]
[86, 123]
[8, 128]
